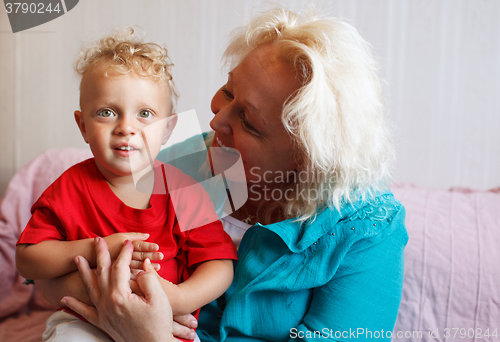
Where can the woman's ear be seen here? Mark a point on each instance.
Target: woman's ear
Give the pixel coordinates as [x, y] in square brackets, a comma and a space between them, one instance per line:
[81, 124]
[171, 122]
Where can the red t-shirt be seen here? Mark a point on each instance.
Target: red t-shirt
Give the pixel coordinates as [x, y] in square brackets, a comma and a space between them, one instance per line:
[80, 204]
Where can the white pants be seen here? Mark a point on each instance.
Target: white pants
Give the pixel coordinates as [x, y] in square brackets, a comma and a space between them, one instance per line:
[64, 327]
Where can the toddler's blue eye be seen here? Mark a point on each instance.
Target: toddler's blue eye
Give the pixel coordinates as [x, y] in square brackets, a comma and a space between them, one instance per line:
[106, 113]
[145, 114]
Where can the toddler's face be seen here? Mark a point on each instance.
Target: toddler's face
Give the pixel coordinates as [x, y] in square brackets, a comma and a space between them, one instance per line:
[115, 112]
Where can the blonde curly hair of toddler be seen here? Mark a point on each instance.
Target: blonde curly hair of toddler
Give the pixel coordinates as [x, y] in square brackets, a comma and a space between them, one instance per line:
[123, 51]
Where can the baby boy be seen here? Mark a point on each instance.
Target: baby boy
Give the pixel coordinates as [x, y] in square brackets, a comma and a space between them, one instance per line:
[126, 103]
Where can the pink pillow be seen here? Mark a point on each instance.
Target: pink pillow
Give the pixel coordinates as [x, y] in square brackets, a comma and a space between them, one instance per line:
[452, 273]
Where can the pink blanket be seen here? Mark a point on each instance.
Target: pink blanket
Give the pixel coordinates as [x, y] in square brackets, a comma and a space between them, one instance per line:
[23, 311]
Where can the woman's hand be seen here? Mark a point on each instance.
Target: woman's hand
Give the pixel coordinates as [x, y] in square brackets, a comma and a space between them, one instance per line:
[184, 326]
[122, 314]
[142, 250]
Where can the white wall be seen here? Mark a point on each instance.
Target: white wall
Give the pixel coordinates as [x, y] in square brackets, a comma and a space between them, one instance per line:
[441, 58]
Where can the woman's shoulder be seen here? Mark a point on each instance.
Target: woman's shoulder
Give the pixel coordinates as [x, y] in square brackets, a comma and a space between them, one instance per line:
[383, 207]
[380, 215]
[371, 219]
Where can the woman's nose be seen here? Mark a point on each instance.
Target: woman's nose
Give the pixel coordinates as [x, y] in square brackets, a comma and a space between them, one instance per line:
[125, 126]
[221, 121]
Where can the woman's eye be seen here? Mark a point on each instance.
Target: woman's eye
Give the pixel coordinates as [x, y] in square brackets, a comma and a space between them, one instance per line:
[226, 93]
[245, 124]
[106, 113]
[145, 114]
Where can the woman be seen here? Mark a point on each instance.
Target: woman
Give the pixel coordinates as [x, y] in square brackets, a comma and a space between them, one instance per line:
[324, 255]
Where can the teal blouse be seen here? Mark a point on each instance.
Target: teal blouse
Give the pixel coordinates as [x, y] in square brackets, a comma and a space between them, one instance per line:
[338, 278]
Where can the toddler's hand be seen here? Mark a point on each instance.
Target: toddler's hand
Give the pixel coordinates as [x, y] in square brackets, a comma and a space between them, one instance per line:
[142, 249]
[145, 250]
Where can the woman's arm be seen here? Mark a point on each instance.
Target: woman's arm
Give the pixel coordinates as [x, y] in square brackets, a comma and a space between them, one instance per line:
[71, 284]
[208, 282]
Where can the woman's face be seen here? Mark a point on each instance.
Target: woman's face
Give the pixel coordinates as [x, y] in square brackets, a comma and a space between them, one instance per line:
[248, 115]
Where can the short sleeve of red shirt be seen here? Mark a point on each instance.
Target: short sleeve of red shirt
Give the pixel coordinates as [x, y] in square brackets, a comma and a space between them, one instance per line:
[58, 203]
[205, 243]
[48, 226]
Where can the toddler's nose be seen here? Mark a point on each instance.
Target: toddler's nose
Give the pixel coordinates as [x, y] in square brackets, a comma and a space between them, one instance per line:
[125, 126]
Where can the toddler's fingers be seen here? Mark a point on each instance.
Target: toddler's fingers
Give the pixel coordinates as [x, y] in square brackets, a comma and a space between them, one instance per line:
[141, 256]
[142, 246]
[132, 237]
[138, 266]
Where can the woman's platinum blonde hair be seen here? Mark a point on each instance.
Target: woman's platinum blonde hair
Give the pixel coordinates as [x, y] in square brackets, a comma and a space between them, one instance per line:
[122, 52]
[337, 119]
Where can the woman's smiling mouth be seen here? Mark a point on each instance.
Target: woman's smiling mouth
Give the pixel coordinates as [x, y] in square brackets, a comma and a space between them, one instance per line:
[224, 147]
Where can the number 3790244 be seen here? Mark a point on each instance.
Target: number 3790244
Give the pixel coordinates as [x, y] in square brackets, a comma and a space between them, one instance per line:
[470, 333]
[24, 7]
